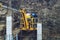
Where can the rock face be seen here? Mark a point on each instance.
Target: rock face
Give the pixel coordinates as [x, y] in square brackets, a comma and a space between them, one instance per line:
[16, 31]
[1, 27]
[2, 31]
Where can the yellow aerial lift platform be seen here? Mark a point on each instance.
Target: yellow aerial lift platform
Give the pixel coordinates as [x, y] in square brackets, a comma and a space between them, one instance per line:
[27, 21]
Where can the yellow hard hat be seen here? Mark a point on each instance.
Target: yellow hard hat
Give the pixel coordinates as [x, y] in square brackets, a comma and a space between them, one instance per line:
[28, 16]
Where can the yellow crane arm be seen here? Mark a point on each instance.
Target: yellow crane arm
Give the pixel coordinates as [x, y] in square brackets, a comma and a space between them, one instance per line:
[25, 18]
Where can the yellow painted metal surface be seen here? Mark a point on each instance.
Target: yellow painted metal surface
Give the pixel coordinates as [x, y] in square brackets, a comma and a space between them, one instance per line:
[24, 18]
